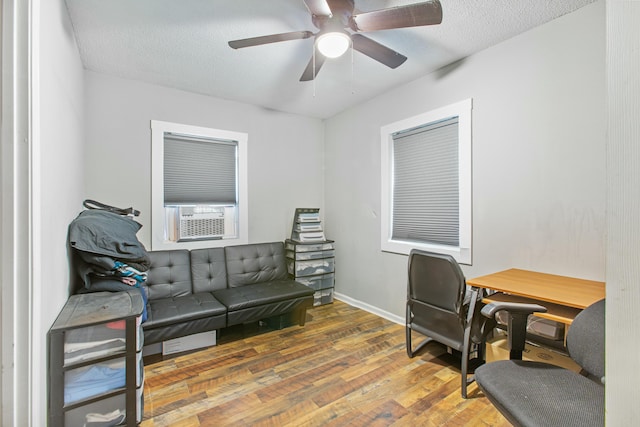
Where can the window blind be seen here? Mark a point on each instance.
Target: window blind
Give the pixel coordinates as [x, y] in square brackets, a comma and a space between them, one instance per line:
[199, 171]
[426, 184]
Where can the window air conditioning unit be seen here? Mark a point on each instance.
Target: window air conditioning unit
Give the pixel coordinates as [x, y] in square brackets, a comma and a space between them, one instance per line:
[203, 222]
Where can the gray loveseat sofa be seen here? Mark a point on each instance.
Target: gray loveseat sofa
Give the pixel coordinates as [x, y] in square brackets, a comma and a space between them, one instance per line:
[207, 289]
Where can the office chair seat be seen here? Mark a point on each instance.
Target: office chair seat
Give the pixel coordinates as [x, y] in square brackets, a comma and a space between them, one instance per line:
[539, 394]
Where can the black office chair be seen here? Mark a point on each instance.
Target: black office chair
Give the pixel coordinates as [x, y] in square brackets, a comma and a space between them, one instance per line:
[539, 394]
[438, 306]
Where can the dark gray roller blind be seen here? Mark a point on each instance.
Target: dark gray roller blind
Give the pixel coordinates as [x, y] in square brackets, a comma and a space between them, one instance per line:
[200, 171]
[426, 184]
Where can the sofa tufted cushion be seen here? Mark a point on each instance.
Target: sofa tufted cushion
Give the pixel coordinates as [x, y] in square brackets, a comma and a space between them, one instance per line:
[176, 317]
[170, 274]
[294, 309]
[208, 269]
[167, 311]
[261, 293]
[255, 263]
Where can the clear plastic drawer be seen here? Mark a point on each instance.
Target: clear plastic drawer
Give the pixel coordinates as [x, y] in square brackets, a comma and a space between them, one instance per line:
[90, 381]
[324, 296]
[317, 282]
[311, 267]
[310, 255]
[93, 342]
[110, 411]
[324, 246]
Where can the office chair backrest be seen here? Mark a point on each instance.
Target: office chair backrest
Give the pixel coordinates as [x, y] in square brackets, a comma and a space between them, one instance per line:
[585, 339]
[436, 279]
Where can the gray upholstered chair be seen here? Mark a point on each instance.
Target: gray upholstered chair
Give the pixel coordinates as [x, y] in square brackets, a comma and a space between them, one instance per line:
[539, 394]
[438, 306]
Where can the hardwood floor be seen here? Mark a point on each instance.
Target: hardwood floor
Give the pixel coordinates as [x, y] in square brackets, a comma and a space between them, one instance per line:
[345, 367]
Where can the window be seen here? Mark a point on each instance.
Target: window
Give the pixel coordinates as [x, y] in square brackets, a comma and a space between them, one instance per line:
[198, 187]
[426, 183]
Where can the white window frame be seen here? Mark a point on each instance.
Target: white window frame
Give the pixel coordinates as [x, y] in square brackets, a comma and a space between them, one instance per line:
[463, 252]
[158, 130]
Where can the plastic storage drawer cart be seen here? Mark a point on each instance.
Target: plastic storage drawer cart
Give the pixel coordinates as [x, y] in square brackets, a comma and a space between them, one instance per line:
[96, 372]
[313, 265]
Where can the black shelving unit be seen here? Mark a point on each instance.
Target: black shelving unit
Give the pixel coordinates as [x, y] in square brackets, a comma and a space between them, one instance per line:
[95, 360]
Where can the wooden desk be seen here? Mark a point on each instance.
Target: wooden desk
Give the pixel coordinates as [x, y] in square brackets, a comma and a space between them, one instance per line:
[564, 297]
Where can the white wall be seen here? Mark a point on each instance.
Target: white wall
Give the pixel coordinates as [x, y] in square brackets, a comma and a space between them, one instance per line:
[623, 210]
[538, 161]
[285, 150]
[58, 169]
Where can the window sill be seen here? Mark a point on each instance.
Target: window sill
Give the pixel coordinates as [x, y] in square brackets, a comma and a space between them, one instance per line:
[461, 255]
[197, 244]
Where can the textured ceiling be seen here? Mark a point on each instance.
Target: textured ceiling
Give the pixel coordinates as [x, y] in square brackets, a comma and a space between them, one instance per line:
[183, 44]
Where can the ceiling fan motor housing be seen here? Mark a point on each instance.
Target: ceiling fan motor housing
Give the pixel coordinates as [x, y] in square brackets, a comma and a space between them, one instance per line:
[339, 19]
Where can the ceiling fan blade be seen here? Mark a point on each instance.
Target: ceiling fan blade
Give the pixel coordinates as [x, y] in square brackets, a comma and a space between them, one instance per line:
[273, 38]
[375, 50]
[413, 15]
[309, 73]
[340, 6]
[318, 7]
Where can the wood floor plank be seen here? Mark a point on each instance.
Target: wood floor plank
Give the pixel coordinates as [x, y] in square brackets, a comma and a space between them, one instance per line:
[166, 399]
[323, 416]
[345, 367]
[286, 411]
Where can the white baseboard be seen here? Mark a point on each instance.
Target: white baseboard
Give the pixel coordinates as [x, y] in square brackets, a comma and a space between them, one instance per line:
[371, 309]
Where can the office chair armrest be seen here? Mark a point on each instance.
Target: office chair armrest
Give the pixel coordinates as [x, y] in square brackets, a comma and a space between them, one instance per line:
[492, 308]
[516, 322]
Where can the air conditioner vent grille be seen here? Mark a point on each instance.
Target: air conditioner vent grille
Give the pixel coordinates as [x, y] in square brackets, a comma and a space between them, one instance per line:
[201, 227]
[203, 222]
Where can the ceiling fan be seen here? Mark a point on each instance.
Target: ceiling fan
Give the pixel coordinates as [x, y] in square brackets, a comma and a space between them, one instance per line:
[339, 27]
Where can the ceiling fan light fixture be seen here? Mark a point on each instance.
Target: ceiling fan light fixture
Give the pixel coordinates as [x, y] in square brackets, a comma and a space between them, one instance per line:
[333, 44]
